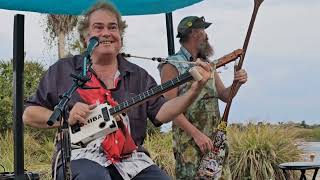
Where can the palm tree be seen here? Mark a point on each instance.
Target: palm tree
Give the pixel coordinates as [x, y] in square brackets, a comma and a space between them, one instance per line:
[59, 26]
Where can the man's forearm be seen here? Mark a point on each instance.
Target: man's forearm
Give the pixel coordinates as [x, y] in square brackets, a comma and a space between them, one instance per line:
[172, 108]
[226, 93]
[37, 116]
[185, 125]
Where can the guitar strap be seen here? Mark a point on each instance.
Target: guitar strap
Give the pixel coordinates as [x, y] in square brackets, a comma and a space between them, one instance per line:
[118, 144]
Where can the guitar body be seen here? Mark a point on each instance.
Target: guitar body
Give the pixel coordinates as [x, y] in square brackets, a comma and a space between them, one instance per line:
[99, 123]
[212, 163]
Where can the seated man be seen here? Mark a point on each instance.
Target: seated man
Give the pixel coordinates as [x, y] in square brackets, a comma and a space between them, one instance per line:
[119, 155]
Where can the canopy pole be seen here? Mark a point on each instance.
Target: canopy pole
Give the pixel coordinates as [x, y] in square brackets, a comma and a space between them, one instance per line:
[18, 66]
[170, 36]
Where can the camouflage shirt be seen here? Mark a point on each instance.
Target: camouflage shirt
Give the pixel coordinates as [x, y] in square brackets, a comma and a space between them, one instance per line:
[203, 113]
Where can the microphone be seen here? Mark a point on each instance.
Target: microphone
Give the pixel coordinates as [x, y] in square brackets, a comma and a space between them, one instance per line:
[81, 80]
[93, 43]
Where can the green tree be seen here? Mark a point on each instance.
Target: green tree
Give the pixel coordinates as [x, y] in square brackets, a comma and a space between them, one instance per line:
[33, 72]
[77, 46]
[303, 124]
[58, 27]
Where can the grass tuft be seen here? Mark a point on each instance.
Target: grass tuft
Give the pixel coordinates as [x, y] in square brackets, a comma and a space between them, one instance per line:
[159, 146]
[256, 150]
[37, 156]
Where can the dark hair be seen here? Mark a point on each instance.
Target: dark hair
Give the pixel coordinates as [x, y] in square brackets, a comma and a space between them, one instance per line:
[84, 23]
[185, 36]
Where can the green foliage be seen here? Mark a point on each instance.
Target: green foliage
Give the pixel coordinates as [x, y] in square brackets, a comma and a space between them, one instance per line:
[77, 46]
[60, 27]
[33, 71]
[151, 129]
[308, 134]
[315, 135]
[303, 124]
[6, 76]
[37, 156]
[302, 133]
[257, 150]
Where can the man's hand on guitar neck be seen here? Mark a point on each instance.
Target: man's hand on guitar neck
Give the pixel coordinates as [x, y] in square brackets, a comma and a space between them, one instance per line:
[203, 142]
[204, 70]
[240, 76]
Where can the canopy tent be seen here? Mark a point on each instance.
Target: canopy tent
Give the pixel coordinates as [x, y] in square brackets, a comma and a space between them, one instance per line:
[76, 7]
[71, 7]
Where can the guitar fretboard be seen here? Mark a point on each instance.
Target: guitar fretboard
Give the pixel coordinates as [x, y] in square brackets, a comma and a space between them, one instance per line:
[181, 79]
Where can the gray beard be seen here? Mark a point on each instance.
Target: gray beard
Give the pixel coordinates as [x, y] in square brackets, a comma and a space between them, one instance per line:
[205, 50]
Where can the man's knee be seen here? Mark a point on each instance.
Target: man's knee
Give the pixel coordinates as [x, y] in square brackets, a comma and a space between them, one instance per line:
[84, 169]
[92, 175]
[152, 172]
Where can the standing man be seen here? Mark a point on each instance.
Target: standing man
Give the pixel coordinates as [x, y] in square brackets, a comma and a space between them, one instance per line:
[191, 130]
[119, 155]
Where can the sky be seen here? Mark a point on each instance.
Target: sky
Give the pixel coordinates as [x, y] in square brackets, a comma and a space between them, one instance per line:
[281, 60]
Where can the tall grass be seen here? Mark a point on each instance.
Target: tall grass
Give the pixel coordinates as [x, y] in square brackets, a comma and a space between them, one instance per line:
[37, 156]
[159, 146]
[315, 134]
[308, 134]
[38, 152]
[257, 150]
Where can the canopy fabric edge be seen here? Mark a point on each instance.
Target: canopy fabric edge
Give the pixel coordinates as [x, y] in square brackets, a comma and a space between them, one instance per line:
[126, 7]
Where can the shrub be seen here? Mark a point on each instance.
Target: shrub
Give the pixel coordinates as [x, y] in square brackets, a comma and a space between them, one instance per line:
[159, 146]
[37, 156]
[33, 72]
[257, 150]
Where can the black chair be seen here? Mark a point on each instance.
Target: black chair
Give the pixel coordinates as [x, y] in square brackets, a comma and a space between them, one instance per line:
[302, 166]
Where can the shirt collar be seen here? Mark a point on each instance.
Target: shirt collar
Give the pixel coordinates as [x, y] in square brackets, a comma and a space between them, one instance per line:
[186, 53]
[78, 62]
[123, 65]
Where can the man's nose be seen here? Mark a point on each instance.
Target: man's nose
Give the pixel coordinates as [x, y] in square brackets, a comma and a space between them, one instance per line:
[105, 32]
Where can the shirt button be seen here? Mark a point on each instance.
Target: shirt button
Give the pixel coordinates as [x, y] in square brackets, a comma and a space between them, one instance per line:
[116, 141]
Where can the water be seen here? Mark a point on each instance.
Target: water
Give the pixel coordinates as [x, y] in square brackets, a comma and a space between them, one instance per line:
[312, 147]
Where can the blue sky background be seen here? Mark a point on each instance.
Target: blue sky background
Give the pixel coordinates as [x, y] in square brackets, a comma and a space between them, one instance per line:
[282, 59]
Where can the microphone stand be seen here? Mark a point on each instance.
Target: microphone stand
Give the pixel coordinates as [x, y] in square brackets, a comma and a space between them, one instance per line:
[60, 111]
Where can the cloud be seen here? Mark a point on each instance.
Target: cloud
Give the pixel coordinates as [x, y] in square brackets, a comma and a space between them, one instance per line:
[35, 45]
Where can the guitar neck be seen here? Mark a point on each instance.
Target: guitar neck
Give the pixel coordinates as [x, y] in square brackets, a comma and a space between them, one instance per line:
[227, 58]
[140, 98]
[181, 79]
